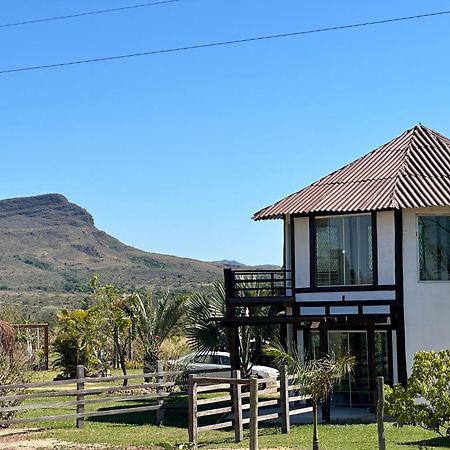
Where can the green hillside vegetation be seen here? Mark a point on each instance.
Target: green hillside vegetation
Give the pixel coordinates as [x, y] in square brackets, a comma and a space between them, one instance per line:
[50, 249]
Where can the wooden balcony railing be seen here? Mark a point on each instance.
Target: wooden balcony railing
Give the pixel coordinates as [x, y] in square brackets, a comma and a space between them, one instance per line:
[258, 283]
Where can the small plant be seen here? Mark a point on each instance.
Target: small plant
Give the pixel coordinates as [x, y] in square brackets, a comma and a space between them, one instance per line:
[316, 377]
[12, 371]
[425, 402]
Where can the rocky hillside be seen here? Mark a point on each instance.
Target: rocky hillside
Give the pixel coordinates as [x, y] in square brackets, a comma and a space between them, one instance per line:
[50, 248]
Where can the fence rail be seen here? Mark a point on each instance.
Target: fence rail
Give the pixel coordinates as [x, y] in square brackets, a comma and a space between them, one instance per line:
[81, 389]
[232, 404]
[258, 283]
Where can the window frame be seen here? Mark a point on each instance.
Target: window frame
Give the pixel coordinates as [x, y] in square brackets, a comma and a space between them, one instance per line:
[313, 250]
[429, 214]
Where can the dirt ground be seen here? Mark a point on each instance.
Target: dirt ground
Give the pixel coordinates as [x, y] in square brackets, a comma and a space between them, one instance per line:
[26, 439]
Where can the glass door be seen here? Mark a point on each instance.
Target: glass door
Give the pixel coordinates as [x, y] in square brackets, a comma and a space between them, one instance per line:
[354, 389]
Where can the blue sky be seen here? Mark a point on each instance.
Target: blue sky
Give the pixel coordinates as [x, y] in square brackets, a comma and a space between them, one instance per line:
[173, 153]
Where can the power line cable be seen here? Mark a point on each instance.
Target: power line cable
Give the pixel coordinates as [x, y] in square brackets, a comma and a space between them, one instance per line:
[223, 43]
[88, 13]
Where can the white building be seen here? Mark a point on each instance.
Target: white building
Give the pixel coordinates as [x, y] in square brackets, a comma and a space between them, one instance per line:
[366, 261]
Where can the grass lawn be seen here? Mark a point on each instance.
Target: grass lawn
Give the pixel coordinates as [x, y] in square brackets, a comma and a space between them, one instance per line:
[332, 437]
[139, 429]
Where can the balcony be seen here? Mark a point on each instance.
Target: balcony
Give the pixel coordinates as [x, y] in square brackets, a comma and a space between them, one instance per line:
[259, 287]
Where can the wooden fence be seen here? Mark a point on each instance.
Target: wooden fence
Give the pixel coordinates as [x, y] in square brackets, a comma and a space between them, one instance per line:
[231, 402]
[83, 392]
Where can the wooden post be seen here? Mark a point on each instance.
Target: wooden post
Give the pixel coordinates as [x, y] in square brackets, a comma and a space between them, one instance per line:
[159, 391]
[326, 410]
[253, 445]
[80, 374]
[237, 407]
[284, 400]
[45, 346]
[192, 423]
[380, 414]
[371, 365]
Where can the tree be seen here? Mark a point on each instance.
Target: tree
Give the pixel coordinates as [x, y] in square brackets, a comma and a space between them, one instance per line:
[7, 337]
[206, 336]
[425, 402]
[76, 338]
[155, 321]
[116, 318]
[316, 377]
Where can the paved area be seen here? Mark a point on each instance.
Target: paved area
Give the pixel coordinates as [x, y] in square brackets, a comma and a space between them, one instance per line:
[339, 414]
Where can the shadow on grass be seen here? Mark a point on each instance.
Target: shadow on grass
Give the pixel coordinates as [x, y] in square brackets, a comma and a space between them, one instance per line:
[437, 442]
[172, 418]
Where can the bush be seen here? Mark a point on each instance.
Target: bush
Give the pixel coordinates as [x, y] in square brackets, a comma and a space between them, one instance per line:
[12, 371]
[426, 400]
[75, 341]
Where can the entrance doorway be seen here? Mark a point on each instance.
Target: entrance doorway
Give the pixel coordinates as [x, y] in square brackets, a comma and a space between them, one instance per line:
[353, 390]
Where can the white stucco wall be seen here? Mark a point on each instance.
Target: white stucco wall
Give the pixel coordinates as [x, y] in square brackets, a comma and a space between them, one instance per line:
[427, 303]
[301, 232]
[385, 247]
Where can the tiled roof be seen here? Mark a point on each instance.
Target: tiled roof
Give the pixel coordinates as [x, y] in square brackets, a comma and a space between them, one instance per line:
[411, 171]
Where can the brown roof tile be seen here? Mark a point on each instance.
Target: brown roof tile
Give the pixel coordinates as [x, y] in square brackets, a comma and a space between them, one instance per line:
[411, 171]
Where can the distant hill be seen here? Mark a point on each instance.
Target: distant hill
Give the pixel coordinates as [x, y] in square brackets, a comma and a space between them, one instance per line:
[50, 248]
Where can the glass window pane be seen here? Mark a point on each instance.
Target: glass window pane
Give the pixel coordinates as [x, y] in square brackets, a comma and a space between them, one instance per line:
[344, 250]
[434, 248]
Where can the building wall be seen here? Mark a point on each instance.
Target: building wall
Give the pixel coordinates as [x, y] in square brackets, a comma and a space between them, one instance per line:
[301, 230]
[426, 303]
[386, 247]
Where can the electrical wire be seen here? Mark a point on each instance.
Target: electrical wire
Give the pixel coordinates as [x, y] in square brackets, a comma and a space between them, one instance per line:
[223, 43]
[88, 13]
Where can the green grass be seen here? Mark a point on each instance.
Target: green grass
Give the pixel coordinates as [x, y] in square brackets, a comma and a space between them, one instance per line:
[332, 437]
[140, 429]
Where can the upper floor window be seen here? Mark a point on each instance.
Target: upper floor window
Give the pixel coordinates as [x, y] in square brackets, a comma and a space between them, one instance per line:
[434, 248]
[344, 250]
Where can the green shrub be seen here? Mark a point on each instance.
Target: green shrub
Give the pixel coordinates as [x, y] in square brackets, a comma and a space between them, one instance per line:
[75, 341]
[14, 370]
[425, 402]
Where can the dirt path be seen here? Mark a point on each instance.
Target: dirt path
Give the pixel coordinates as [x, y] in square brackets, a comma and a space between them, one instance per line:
[26, 439]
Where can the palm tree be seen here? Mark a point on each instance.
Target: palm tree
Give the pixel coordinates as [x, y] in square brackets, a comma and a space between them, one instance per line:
[206, 336]
[317, 377]
[155, 320]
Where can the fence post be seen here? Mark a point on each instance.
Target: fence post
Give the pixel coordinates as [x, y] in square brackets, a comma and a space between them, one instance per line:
[237, 407]
[159, 391]
[80, 374]
[284, 400]
[192, 419]
[380, 414]
[253, 413]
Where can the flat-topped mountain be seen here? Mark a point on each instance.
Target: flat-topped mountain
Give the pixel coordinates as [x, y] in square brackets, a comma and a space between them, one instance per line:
[51, 246]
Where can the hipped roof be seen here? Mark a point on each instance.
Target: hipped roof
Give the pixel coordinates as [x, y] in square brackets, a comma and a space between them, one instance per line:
[411, 171]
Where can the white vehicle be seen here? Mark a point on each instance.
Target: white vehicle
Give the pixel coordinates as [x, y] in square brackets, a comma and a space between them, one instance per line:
[220, 360]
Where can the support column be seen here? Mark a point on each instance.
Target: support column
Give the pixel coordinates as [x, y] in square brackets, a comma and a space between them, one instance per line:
[323, 331]
[371, 366]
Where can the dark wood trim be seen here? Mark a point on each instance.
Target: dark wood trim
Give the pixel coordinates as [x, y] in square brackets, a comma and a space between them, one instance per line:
[261, 301]
[292, 254]
[374, 250]
[371, 365]
[332, 303]
[284, 241]
[347, 288]
[349, 320]
[390, 380]
[338, 213]
[400, 319]
[312, 252]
